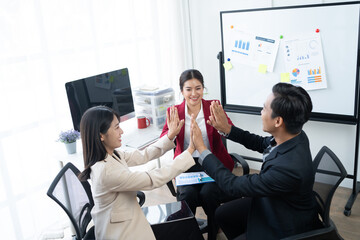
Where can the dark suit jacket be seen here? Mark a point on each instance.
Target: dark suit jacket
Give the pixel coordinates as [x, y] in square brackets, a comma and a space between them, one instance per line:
[216, 145]
[283, 202]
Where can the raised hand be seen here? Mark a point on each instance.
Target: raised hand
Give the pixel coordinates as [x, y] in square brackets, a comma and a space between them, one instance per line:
[196, 135]
[218, 118]
[173, 122]
[191, 147]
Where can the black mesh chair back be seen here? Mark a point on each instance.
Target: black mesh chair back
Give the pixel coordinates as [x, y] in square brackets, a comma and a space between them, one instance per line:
[74, 197]
[329, 172]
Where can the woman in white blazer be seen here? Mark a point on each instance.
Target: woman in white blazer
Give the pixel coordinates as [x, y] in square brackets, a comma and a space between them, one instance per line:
[116, 213]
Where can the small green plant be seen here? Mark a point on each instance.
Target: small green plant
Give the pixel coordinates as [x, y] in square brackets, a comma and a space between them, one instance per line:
[69, 136]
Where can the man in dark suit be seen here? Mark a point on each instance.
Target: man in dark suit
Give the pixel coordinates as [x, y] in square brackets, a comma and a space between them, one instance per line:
[279, 201]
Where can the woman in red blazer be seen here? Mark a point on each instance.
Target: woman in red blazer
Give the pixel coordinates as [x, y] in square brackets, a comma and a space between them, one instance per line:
[207, 195]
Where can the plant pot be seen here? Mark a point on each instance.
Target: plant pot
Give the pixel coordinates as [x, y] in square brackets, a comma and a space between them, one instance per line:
[71, 147]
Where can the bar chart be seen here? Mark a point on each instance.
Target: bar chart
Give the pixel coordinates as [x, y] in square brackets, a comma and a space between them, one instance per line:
[314, 75]
[245, 45]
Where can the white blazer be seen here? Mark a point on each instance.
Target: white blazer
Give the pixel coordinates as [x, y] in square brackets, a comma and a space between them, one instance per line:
[116, 213]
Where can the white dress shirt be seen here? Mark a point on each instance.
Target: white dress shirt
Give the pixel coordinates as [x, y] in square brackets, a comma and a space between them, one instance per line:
[200, 120]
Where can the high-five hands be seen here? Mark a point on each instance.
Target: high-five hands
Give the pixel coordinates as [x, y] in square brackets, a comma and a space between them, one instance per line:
[191, 147]
[173, 122]
[196, 136]
[218, 118]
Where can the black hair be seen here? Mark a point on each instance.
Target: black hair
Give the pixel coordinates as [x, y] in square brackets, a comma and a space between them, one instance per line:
[190, 74]
[293, 104]
[95, 120]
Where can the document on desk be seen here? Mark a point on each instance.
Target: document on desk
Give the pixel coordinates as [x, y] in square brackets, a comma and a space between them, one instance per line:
[140, 142]
[192, 178]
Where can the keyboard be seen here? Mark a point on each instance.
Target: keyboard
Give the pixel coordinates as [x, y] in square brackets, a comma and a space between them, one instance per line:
[140, 142]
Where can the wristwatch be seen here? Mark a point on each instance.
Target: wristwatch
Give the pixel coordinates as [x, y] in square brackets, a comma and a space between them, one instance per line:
[223, 134]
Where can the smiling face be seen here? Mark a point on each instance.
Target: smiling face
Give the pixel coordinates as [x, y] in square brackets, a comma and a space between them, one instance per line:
[193, 92]
[267, 120]
[112, 138]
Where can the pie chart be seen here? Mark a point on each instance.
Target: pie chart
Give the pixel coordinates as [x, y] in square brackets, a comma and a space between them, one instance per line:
[295, 72]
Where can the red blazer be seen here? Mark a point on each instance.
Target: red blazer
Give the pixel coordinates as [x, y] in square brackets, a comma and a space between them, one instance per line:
[216, 145]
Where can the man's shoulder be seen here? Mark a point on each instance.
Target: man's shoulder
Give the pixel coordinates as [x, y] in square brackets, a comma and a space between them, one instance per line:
[302, 138]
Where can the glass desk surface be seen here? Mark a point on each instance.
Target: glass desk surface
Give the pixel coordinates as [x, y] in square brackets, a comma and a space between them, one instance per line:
[168, 212]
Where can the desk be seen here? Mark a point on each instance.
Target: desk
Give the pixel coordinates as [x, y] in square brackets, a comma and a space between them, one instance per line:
[131, 137]
[172, 221]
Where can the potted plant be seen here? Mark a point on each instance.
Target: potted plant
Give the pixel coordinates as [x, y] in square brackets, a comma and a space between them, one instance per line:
[69, 139]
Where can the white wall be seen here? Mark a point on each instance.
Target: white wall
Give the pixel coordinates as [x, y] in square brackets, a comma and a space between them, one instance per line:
[206, 44]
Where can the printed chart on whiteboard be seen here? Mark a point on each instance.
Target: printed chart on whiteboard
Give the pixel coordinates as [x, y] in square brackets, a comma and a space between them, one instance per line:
[253, 49]
[305, 62]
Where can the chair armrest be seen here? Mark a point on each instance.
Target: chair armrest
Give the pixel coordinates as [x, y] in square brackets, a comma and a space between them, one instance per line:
[310, 235]
[90, 234]
[329, 232]
[171, 187]
[240, 160]
[141, 196]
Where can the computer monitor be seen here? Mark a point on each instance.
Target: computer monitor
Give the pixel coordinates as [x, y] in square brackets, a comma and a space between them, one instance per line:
[110, 89]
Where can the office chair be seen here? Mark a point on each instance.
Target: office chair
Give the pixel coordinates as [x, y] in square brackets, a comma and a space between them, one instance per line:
[75, 198]
[329, 172]
[238, 160]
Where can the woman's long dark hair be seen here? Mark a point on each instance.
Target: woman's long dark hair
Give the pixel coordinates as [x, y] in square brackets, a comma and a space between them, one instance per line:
[95, 120]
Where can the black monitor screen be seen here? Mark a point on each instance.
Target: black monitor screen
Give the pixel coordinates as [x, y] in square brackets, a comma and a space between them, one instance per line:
[110, 89]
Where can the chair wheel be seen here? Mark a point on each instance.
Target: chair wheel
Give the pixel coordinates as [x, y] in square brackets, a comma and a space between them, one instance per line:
[347, 212]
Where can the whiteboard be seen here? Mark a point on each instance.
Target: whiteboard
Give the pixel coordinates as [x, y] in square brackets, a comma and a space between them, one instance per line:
[244, 89]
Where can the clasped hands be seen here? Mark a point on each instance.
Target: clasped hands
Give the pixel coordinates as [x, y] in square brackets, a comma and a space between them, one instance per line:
[217, 119]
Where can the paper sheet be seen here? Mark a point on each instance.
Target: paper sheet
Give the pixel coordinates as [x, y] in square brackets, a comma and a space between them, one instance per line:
[304, 61]
[192, 178]
[252, 49]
